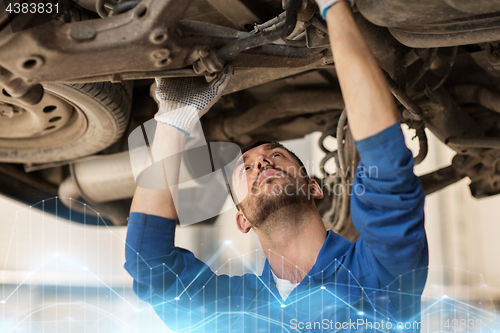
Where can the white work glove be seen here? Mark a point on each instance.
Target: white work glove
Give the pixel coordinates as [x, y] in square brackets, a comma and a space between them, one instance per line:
[183, 101]
[324, 5]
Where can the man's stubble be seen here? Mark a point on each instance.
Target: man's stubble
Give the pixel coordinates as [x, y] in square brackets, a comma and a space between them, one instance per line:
[281, 204]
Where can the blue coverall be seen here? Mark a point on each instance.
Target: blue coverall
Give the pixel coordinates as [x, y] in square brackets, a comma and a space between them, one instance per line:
[379, 277]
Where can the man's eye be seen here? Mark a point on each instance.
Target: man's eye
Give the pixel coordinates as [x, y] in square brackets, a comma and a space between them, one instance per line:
[276, 154]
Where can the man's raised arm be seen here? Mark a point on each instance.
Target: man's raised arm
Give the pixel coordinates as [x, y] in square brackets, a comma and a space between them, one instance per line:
[387, 207]
[167, 141]
[369, 103]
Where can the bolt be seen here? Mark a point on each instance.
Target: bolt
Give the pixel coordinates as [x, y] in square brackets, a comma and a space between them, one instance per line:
[320, 33]
[6, 111]
[458, 161]
[17, 87]
[495, 56]
[83, 32]
[203, 53]
[199, 68]
[160, 54]
[210, 77]
[158, 36]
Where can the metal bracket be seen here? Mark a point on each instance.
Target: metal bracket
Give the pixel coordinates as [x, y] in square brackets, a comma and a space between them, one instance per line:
[493, 54]
[316, 37]
[117, 44]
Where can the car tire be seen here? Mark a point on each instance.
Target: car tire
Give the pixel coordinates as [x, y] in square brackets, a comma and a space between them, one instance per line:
[99, 116]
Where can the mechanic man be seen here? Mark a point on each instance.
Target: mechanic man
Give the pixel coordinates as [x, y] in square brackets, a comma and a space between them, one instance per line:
[313, 280]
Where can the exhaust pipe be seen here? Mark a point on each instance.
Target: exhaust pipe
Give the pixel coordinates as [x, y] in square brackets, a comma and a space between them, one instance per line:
[102, 182]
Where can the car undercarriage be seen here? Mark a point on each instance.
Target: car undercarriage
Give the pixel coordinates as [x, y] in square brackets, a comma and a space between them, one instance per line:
[76, 84]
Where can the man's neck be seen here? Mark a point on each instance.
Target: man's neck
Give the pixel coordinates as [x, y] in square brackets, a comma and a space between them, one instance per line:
[292, 246]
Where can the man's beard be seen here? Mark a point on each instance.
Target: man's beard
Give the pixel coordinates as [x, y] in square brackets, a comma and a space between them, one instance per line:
[284, 196]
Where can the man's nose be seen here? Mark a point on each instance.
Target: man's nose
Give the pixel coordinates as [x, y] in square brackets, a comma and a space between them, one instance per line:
[262, 161]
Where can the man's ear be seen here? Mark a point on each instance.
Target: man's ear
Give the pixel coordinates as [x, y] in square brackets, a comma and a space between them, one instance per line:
[316, 190]
[242, 222]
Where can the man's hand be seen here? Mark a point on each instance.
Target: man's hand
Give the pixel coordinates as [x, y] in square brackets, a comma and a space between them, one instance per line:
[183, 101]
[324, 5]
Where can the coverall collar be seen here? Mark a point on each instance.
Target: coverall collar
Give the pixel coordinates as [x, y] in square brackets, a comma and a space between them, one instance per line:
[327, 262]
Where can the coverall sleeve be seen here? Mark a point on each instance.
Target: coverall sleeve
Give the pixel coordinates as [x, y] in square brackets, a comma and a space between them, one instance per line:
[182, 289]
[387, 208]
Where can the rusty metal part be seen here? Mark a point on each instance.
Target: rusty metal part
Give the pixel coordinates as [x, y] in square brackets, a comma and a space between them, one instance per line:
[413, 113]
[83, 32]
[484, 142]
[306, 11]
[482, 169]
[429, 89]
[124, 6]
[475, 7]
[17, 88]
[113, 49]
[298, 32]
[402, 13]
[287, 104]
[250, 77]
[320, 24]
[415, 54]
[229, 51]
[261, 27]
[493, 53]
[439, 179]
[431, 56]
[446, 119]
[387, 50]
[461, 167]
[423, 146]
[288, 129]
[298, 124]
[412, 107]
[334, 207]
[280, 56]
[100, 7]
[317, 34]
[236, 12]
[209, 62]
[185, 72]
[342, 142]
[113, 52]
[463, 163]
[468, 30]
[476, 94]
[346, 228]
[124, 37]
[29, 121]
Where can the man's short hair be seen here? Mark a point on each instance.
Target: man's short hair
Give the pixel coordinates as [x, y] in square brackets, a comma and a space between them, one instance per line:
[259, 143]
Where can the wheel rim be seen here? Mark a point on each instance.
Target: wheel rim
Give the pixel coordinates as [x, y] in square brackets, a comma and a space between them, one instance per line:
[19, 121]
